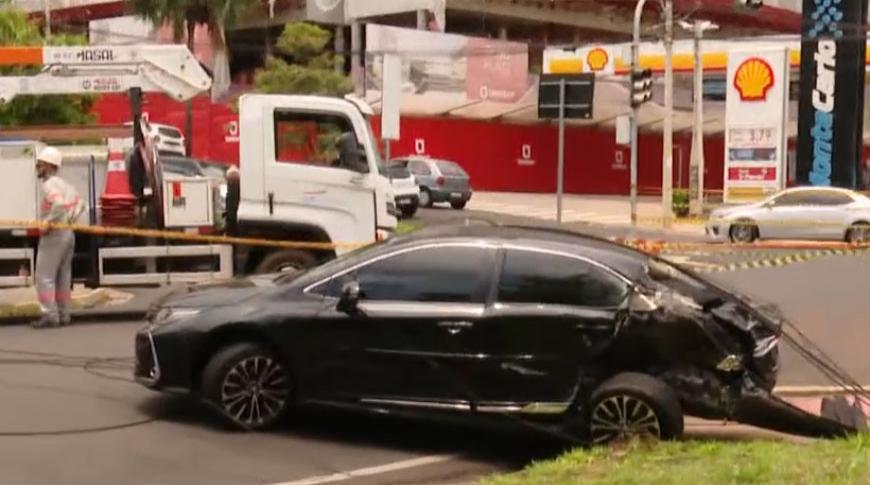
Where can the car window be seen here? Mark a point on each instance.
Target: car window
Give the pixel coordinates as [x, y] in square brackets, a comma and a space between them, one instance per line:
[170, 132]
[793, 198]
[450, 169]
[830, 197]
[534, 277]
[419, 168]
[397, 172]
[449, 274]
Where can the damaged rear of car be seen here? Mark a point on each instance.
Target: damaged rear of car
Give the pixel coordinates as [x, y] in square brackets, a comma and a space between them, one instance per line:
[719, 352]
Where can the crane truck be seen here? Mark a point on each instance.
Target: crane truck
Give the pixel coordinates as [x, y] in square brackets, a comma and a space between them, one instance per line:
[295, 183]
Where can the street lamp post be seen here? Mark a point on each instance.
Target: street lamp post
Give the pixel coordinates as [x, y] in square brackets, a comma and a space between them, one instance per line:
[668, 135]
[696, 170]
[635, 47]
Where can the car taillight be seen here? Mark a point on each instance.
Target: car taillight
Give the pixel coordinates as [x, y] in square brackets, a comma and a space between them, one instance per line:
[440, 181]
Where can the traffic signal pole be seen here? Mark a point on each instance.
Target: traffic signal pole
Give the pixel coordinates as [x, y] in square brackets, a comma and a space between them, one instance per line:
[635, 47]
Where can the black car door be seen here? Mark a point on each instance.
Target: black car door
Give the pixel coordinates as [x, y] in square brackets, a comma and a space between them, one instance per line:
[549, 312]
[415, 304]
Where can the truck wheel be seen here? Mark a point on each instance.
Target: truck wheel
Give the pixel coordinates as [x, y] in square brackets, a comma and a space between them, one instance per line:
[633, 405]
[250, 385]
[286, 260]
[408, 211]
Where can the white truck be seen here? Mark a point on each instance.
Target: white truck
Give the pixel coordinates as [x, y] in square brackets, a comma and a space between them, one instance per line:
[296, 184]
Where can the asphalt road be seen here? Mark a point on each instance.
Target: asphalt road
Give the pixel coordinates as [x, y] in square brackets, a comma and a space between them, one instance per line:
[69, 414]
[826, 298]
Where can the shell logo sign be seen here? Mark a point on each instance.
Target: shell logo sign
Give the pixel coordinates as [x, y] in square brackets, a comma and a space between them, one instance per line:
[597, 59]
[753, 79]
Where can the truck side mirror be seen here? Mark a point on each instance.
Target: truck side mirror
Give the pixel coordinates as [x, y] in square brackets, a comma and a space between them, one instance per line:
[351, 154]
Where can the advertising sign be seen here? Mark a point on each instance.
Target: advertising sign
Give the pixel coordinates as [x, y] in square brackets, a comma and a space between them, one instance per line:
[831, 107]
[593, 59]
[448, 68]
[755, 117]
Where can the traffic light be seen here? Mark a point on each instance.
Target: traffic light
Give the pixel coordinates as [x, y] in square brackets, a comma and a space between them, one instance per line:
[641, 87]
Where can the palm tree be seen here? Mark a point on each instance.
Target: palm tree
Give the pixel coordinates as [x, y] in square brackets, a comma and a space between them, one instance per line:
[185, 15]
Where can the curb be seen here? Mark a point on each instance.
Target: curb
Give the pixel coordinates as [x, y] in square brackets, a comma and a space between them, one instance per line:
[83, 316]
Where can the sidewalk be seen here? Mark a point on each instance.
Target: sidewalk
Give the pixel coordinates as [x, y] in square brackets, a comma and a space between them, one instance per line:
[608, 210]
[19, 305]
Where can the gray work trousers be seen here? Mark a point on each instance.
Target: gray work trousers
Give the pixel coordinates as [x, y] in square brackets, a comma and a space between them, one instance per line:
[54, 275]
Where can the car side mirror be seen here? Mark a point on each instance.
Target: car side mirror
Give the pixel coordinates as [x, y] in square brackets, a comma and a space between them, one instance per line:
[639, 302]
[350, 296]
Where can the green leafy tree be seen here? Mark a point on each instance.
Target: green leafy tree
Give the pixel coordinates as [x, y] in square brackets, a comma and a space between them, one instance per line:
[17, 30]
[311, 69]
[184, 15]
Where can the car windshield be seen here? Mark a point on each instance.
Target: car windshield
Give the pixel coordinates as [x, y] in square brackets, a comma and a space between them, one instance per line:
[395, 171]
[450, 169]
[182, 166]
[170, 132]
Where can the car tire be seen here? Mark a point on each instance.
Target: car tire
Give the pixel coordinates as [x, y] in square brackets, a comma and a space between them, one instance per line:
[286, 260]
[651, 406]
[743, 232]
[858, 233]
[458, 204]
[249, 385]
[408, 211]
[425, 198]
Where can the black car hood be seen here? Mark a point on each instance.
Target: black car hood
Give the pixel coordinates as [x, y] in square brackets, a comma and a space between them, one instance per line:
[217, 294]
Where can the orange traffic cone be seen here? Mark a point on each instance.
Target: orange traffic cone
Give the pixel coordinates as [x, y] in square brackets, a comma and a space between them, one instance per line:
[118, 201]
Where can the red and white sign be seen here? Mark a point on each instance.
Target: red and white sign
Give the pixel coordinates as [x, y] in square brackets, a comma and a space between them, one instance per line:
[526, 156]
[751, 174]
[232, 132]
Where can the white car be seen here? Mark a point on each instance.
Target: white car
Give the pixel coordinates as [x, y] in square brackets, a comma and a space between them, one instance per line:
[167, 138]
[405, 189]
[818, 213]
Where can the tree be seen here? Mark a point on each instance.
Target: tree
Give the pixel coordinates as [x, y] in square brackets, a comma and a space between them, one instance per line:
[312, 70]
[312, 67]
[17, 30]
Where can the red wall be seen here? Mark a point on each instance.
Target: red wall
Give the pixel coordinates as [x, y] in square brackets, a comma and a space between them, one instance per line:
[491, 152]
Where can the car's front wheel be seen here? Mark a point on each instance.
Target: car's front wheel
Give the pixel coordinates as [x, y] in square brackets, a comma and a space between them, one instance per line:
[632, 405]
[743, 232]
[249, 384]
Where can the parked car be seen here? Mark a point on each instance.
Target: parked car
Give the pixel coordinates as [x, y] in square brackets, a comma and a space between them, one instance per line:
[439, 181]
[405, 189]
[478, 322]
[168, 138]
[823, 213]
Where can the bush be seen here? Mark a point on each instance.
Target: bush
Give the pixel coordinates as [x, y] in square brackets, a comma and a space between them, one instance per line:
[680, 202]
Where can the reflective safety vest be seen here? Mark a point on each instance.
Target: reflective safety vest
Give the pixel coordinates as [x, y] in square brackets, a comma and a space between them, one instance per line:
[61, 202]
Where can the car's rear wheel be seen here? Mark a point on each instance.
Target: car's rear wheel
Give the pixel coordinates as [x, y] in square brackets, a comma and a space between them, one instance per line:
[858, 233]
[743, 232]
[458, 204]
[425, 198]
[249, 384]
[286, 260]
[632, 405]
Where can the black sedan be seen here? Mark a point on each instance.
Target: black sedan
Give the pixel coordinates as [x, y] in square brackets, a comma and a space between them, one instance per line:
[477, 321]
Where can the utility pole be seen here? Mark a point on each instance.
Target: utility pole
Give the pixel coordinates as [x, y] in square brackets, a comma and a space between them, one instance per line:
[46, 10]
[696, 169]
[635, 107]
[668, 132]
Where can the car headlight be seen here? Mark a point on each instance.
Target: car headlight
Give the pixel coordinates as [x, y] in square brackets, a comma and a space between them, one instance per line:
[169, 315]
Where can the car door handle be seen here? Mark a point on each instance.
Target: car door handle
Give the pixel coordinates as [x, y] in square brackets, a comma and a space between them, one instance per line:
[453, 327]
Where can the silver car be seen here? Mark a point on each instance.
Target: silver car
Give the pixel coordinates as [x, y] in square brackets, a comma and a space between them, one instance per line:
[819, 213]
[439, 181]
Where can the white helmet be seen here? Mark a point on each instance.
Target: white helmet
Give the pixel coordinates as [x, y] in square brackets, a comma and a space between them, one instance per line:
[51, 156]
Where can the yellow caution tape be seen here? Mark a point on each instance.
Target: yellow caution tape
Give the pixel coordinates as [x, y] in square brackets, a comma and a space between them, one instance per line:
[177, 235]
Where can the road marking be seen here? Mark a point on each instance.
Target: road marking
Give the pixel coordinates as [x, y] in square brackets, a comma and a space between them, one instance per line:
[374, 470]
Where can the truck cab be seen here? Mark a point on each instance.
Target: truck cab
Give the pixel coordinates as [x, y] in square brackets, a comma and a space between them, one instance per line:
[309, 172]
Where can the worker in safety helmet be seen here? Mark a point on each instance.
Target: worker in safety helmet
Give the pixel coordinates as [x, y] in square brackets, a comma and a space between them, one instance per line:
[59, 204]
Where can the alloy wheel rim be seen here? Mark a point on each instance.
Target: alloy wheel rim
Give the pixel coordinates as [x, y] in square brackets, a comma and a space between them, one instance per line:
[623, 417]
[255, 390]
[424, 198]
[859, 234]
[743, 233]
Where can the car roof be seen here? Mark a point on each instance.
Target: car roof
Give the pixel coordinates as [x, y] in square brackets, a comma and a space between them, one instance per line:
[628, 261]
[819, 189]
